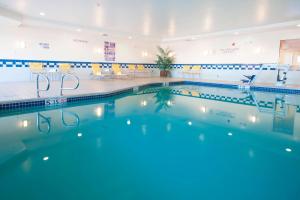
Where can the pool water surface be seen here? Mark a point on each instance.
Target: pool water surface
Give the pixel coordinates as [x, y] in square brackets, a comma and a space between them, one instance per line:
[180, 142]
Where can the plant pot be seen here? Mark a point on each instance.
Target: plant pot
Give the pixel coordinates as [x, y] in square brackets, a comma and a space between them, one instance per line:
[164, 73]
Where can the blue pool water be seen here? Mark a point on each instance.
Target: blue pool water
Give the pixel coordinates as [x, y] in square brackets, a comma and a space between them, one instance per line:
[179, 142]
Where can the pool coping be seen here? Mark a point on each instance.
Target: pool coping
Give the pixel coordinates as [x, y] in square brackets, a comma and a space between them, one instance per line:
[61, 100]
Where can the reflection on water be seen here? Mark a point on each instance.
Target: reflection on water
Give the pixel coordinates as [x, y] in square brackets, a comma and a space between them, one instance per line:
[74, 117]
[247, 111]
[164, 99]
[187, 134]
[43, 123]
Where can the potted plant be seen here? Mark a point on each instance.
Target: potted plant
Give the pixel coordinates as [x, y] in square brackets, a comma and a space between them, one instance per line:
[165, 59]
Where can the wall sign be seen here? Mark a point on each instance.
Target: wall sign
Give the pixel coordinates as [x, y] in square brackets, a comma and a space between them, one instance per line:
[44, 45]
[55, 101]
[229, 50]
[110, 51]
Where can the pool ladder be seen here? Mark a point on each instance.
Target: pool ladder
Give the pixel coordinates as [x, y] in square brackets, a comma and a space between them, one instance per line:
[38, 90]
[62, 88]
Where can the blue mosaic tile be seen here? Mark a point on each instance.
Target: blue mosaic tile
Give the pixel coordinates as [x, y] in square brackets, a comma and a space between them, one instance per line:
[97, 96]
[275, 90]
[55, 64]
[21, 105]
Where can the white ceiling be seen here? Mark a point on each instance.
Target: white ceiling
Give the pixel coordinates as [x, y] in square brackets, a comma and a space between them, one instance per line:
[158, 18]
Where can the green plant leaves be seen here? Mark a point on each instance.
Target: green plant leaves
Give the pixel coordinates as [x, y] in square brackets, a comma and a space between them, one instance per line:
[165, 59]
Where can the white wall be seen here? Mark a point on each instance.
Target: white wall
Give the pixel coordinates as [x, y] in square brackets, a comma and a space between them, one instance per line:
[254, 48]
[65, 46]
[251, 48]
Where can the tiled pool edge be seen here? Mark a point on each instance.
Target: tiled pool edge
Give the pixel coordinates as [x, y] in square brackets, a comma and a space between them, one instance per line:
[252, 87]
[42, 102]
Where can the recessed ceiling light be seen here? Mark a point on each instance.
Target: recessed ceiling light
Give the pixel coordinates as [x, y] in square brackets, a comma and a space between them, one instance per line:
[236, 33]
[298, 25]
[130, 37]
[78, 30]
[42, 14]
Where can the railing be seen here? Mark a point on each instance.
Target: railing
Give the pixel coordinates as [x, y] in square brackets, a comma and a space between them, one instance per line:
[62, 83]
[38, 90]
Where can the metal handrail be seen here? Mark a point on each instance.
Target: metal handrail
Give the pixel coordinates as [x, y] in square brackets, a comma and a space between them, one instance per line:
[38, 90]
[77, 119]
[62, 83]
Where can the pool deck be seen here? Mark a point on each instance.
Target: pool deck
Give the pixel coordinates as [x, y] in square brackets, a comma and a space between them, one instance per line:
[19, 91]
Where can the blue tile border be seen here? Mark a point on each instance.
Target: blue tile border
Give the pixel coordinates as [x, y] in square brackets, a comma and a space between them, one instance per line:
[74, 64]
[14, 63]
[97, 96]
[275, 90]
[221, 85]
[22, 104]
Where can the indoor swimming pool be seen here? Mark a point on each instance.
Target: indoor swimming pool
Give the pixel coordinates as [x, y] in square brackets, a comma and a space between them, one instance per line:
[177, 142]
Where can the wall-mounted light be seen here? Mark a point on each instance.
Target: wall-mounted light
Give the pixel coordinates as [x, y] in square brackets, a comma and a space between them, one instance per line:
[42, 14]
[130, 37]
[145, 54]
[205, 53]
[21, 44]
[172, 54]
[98, 50]
[258, 50]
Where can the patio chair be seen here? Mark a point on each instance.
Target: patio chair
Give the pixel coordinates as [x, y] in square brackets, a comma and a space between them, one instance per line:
[116, 68]
[97, 71]
[249, 79]
[142, 70]
[185, 70]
